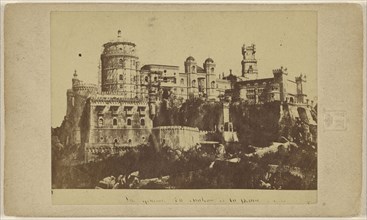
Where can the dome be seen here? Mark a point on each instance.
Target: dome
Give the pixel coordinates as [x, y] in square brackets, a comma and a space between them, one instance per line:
[209, 60]
[190, 58]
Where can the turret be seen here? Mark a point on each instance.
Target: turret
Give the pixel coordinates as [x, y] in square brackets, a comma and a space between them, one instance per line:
[300, 81]
[249, 62]
[280, 77]
[190, 65]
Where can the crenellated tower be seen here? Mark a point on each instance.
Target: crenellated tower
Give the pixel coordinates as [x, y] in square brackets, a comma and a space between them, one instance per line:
[249, 62]
[300, 83]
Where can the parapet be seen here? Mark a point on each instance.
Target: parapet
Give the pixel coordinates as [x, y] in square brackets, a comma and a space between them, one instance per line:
[116, 99]
[300, 78]
[280, 71]
[173, 128]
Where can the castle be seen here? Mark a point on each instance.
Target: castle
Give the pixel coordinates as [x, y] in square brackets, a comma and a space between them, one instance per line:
[118, 113]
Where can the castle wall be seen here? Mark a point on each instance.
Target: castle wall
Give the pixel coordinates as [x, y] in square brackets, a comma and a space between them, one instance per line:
[175, 137]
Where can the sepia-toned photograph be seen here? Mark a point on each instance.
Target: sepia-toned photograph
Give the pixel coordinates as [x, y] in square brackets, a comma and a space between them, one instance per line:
[184, 100]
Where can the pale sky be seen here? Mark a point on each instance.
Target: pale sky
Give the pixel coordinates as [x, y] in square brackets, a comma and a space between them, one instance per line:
[287, 39]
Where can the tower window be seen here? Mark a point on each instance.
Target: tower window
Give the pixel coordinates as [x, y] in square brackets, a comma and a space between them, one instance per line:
[213, 84]
[100, 122]
[129, 141]
[146, 79]
[193, 83]
[212, 70]
[114, 122]
[129, 121]
[193, 69]
[121, 77]
[115, 141]
[142, 122]
[182, 81]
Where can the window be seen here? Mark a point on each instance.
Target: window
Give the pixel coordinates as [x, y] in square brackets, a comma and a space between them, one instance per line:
[142, 122]
[114, 122]
[115, 141]
[182, 81]
[212, 84]
[143, 138]
[193, 83]
[128, 121]
[121, 77]
[101, 139]
[100, 122]
[146, 79]
[193, 69]
[129, 141]
[212, 70]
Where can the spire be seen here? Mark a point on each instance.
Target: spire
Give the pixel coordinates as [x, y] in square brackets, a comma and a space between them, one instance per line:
[75, 74]
[119, 34]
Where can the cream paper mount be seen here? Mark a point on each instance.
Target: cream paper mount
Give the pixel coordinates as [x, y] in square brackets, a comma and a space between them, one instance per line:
[53, 57]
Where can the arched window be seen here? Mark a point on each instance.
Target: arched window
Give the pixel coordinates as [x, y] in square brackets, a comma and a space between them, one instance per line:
[142, 122]
[182, 81]
[115, 141]
[114, 122]
[193, 84]
[128, 121]
[212, 70]
[72, 101]
[212, 84]
[100, 122]
[129, 141]
[146, 79]
[193, 69]
[291, 100]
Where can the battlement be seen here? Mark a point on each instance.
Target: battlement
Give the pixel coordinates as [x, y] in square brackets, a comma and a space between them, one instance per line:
[301, 78]
[280, 71]
[250, 47]
[175, 128]
[113, 99]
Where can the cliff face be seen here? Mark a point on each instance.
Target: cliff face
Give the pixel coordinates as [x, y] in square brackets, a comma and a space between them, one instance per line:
[192, 113]
[259, 125]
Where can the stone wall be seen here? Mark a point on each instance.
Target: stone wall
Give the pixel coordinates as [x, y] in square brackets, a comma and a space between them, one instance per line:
[175, 137]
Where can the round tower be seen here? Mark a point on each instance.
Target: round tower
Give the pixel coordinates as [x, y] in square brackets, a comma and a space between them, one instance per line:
[209, 67]
[190, 65]
[120, 68]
